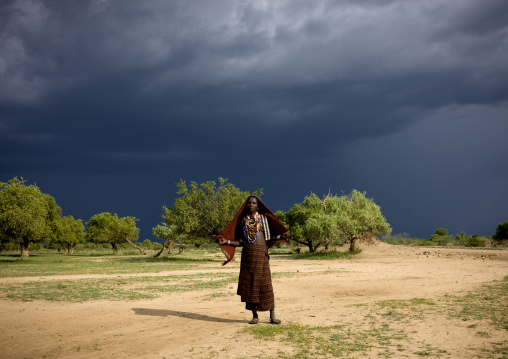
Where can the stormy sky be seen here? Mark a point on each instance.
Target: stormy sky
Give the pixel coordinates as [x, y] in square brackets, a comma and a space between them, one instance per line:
[107, 104]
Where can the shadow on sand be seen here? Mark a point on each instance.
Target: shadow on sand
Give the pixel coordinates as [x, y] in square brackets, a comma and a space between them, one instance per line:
[166, 312]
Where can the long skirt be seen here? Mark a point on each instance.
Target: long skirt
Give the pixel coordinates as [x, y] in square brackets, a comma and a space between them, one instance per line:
[255, 281]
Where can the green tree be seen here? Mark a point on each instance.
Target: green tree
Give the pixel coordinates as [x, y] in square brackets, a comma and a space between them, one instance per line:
[326, 221]
[313, 222]
[147, 243]
[27, 216]
[474, 241]
[358, 216]
[440, 232]
[70, 233]
[501, 231]
[203, 211]
[91, 246]
[107, 228]
[441, 237]
[169, 235]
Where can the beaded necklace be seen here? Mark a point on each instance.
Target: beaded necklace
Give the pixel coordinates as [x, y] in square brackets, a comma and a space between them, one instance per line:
[252, 227]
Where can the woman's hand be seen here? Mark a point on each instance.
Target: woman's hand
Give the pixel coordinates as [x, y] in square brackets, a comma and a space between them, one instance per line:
[222, 241]
[284, 235]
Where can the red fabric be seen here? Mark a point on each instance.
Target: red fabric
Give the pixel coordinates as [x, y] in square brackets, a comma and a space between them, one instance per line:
[276, 228]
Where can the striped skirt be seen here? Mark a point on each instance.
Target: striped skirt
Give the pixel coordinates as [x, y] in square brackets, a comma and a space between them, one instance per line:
[255, 282]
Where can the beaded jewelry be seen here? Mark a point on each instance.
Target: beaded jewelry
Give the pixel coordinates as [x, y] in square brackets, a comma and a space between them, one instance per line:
[252, 227]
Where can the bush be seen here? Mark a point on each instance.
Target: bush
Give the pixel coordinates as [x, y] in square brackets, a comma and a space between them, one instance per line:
[34, 246]
[474, 242]
[146, 244]
[501, 231]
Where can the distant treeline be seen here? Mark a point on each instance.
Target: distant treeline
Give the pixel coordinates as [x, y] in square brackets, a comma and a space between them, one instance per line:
[30, 219]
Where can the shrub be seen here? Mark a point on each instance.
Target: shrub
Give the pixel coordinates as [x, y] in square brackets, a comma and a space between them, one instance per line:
[441, 232]
[501, 231]
[474, 242]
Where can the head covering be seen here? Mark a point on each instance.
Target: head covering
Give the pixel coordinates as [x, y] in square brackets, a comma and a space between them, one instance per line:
[234, 230]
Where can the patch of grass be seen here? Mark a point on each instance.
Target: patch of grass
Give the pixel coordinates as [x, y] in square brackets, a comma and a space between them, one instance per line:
[489, 305]
[411, 303]
[59, 263]
[113, 289]
[484, 334]
[398, 310]
[271, 331]
[325, 341]
[326, 255]
[218, 295]
[376, 332]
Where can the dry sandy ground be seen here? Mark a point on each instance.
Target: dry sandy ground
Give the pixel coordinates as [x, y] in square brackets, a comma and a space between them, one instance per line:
[195, 325]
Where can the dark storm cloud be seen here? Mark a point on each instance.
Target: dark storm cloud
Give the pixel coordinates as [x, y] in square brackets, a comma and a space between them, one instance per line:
[123, 88]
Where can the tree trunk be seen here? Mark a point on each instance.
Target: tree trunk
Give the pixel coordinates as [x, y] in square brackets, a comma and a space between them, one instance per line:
[24, 248]
[181, 247]
[159, 252]
[141, 250]
[70, 249]
[307, 243]
[312, 248]
[115, 248]
[327, 244]
[352, 245]
[165, 245]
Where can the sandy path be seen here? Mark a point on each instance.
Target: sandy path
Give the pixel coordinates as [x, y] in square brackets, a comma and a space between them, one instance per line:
[192, 325]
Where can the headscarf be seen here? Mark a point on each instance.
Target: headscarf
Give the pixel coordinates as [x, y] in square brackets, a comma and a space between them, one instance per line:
[234, 230]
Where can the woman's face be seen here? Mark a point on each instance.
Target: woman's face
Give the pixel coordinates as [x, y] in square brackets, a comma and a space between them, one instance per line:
[252, 205]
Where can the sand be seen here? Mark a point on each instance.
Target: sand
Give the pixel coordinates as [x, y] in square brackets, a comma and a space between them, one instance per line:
[195, 325]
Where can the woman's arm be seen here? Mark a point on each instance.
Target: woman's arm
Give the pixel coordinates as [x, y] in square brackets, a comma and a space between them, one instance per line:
[223, 241]
[285, 235]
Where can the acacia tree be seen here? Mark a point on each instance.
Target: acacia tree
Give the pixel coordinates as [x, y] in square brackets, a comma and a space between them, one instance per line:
[169, 235]
[320, 222]
[107, 228]
[313, 222]
[26, 215]
[358, 215]
[203, 211]
[70, 233]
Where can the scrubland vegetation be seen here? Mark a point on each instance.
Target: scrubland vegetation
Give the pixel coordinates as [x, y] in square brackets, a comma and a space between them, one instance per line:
[32, 220]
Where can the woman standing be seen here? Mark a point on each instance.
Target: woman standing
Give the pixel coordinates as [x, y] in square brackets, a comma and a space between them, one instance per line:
[255, 228]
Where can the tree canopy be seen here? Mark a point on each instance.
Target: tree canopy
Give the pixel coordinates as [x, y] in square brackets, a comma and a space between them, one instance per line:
[501, 231]
[107, 228]
[316, 222]
[203, 211]
[70, 233]
[26, 214]
[169, 235]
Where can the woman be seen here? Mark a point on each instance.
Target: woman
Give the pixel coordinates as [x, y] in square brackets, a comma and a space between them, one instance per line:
[255, 228]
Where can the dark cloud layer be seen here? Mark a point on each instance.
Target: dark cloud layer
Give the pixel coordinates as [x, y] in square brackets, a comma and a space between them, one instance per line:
[106, 105]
